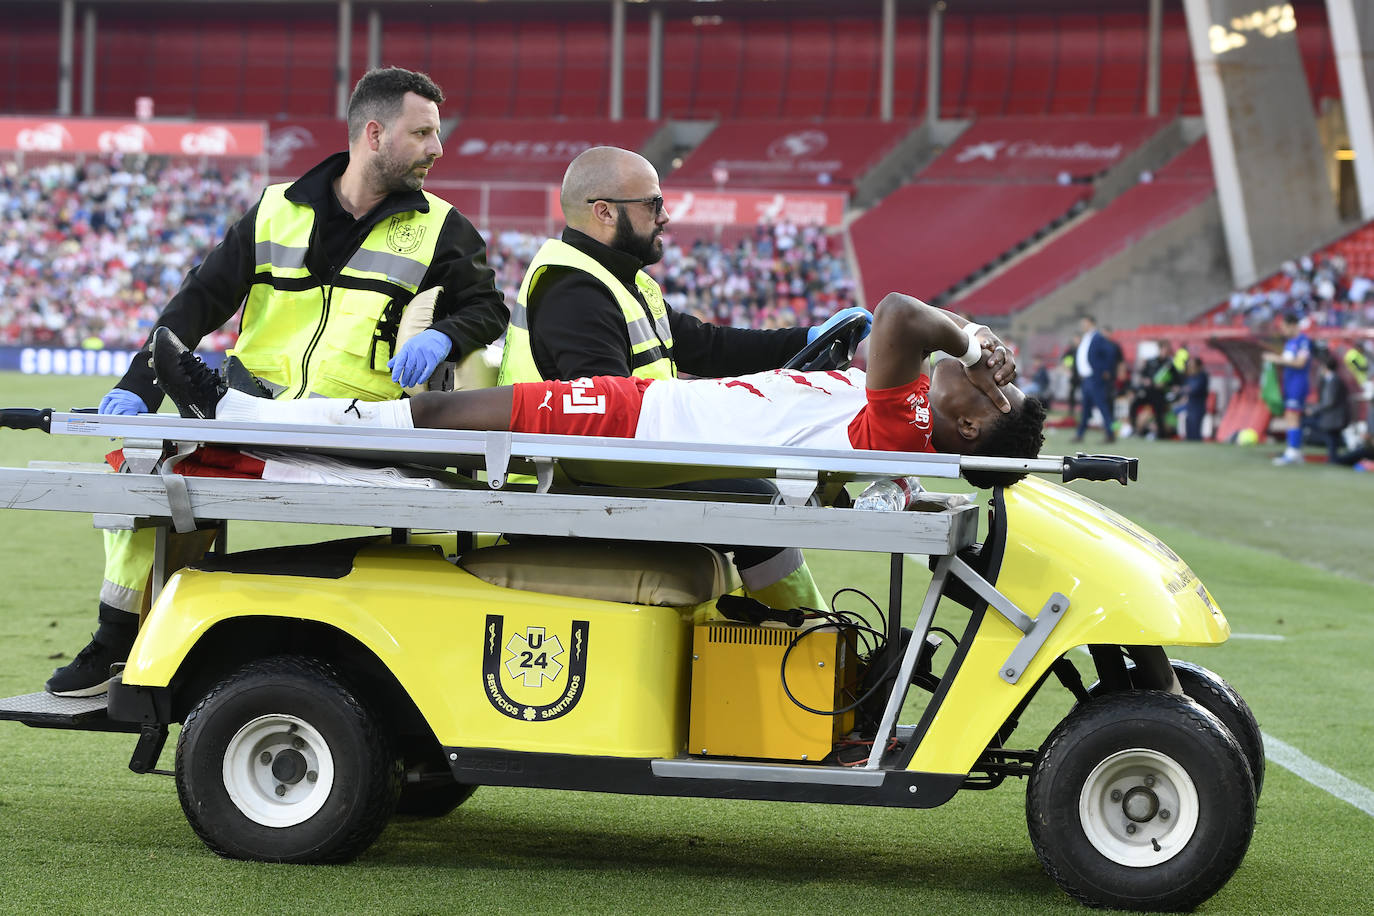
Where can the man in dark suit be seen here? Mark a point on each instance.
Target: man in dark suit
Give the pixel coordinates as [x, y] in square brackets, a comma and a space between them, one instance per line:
[1096, 364]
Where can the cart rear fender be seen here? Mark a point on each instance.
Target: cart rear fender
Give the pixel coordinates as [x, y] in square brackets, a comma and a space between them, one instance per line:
[1124, 587]
[430, 624]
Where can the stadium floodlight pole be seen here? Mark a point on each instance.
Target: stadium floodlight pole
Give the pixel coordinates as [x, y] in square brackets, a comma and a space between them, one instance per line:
[344, 53]
[888, 55]
[88, 36]
[65, 41]
[374, 38]
[617, 59]
[935, 57]
[1152, 61]
[653, 98]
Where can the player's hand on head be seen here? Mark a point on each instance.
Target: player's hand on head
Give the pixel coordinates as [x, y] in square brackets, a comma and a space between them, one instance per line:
[997, 356]
[984, 378]
[122, 403]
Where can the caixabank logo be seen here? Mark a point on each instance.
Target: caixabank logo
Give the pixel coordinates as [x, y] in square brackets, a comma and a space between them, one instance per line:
[533, 675]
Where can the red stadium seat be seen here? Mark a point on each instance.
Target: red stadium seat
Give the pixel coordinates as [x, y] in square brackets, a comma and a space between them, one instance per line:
[811, 59]
[1177, 74]
[763, 73]
[788, 154]
[989, 83]
[537, 150]
[1136, 213]
[855, 89]
[1077, 70]
[1032, 75]
[911, 66]
[1039, 149]
[717, 86]
[1121, 83]
[924, 238]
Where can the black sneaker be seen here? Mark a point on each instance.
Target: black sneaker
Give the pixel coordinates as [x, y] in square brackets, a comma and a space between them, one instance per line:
[88, 675]
[193, 386]
[238, 378]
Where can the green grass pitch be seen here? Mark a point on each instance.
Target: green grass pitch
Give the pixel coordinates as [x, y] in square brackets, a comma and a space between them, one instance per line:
[1285, 551]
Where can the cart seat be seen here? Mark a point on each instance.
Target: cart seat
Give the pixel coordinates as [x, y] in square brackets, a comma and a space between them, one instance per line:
[673, 575]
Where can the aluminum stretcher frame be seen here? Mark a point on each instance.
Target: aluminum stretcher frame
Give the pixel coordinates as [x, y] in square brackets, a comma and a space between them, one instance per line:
[599, 513]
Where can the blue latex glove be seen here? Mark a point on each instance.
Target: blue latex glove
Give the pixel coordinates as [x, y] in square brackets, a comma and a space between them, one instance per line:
[417, 360]
[122, 403]
[818, 330]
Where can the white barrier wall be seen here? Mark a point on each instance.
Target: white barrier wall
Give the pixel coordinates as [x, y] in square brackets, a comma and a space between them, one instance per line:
[1276, 199]
[1352, 40]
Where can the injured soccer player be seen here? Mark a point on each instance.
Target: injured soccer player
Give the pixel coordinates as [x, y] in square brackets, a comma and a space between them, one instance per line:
[967, 404]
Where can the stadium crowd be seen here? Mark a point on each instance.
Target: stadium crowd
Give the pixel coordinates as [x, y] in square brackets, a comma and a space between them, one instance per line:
[1321, 290]
[90, 252]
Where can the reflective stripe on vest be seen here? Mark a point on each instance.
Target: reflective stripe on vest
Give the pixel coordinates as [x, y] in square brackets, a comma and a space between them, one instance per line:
[331, 340]
[651, 339]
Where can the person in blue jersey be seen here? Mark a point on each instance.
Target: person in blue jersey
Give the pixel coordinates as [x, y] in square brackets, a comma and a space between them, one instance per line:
[1294, 364]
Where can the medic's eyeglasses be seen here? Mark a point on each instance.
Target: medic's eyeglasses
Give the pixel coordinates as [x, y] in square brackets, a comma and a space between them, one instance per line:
[656, 203]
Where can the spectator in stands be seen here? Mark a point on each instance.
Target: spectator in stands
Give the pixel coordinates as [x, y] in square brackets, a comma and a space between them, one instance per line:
[350, 240]
[1332, 412]
[1196, 384]
[1096, 362]
[94, 249]
[780, 276]
[587, 308]
[1297, 352]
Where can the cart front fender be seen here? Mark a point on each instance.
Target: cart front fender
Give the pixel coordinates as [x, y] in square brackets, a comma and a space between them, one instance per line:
[1123, 587]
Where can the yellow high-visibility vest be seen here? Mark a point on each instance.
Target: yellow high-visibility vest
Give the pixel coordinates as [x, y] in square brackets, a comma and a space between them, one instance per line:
[651, 339]
[331, 340]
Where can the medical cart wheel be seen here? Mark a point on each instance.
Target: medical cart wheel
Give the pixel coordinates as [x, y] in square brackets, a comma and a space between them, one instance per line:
[280, 762]
[1219, 698]
[1141, 800]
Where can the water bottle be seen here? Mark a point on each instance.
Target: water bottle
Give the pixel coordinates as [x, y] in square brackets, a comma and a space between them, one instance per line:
[889, 495]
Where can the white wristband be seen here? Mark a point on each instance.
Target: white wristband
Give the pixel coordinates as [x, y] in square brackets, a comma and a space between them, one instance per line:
[975, 349]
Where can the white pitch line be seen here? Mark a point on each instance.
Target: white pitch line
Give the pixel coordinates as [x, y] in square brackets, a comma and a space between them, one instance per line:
[1321, 776]
[1274, 637]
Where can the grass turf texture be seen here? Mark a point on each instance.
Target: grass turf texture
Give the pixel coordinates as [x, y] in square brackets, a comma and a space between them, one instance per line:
[1284, 551]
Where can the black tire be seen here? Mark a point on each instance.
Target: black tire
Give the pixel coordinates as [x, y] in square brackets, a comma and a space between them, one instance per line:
[1215, 695]
[1140, 800]
[280, 762]
[1219, 698]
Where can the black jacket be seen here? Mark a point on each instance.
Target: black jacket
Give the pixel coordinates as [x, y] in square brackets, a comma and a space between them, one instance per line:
[577, 329]
[1332, 412]
[471, 310]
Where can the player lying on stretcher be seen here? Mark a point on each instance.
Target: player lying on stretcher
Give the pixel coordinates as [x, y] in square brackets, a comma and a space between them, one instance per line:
[965, 405]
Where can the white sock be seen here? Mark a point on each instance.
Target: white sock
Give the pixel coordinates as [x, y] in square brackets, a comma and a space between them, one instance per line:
[235, 405]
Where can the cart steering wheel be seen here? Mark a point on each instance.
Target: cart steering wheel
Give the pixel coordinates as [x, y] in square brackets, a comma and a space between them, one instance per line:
[833, 349]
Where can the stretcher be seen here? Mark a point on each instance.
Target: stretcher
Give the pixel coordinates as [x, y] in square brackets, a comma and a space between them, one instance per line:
[321, 688]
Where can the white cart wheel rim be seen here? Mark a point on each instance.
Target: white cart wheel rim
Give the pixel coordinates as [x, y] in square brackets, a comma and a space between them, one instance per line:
[1138, 808]
[278, 770]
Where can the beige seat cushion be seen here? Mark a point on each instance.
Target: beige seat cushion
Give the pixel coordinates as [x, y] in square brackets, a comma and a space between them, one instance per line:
[675, 575]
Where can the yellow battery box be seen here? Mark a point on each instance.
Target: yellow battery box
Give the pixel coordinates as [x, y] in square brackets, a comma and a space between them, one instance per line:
[739, 708]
